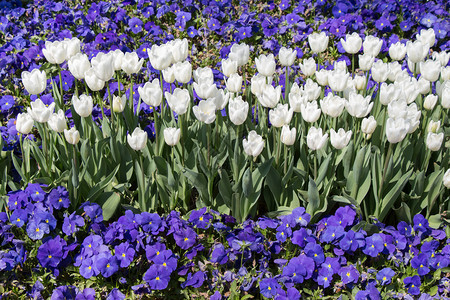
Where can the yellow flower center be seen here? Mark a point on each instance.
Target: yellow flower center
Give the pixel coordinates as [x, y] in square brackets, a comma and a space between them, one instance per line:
[37, 229]
[164, 264]
[49, 256]
[201, 218]
[123, 255]
[157, 278]
[185, 239]
[108, 265]
[60, 200]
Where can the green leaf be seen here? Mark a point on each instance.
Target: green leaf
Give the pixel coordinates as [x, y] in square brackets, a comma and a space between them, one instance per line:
[225, 189]
[198, 181]
[111, 201]
[100, 186]
[313, 198]
[435, 221]
[275, 183]
[388, 201]
[247, 183]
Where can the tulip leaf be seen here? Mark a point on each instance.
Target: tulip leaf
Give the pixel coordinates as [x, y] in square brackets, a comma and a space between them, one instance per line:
[435, 221]
[388, 201]
[313, 198]
[110, 202]
[403, 213]
[275, 183]
[100, 186]
[198, 181]
[225, 189]
[247, 183]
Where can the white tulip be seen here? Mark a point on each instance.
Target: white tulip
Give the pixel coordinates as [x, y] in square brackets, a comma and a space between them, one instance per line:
[322, 77]
[234, 83]
[204, 75]
[372, 45]
[258, 83]
[287, 56]
[55, 52]
[358, 106]
[118, 104]
[169, 74]
[35, 82]
[409, 91]
[118, 56]
[183, 71]
[434, 126]
[310, 112]
[72, 47]
[172, 136]
[340, 65]
[265, 64]
[397, 51]
[254, 144]
[430, 102]
[352, 43]
[360, 82]
[423, 85]
[434, 141]
[380, 71]
[388, 93]
[24, 123]
[366, 61]
[416, 51]
[280, 115]
[160, 56]
[445, 73]
[288, 135]
[229, 67]
[318, 42]
[72, 136]
[445, 98]
[151, 93]
[138, 139]
[332, 105]
[131, 64]
[179, 100]
[93, 82]
[221, 99]
[83, 105]
[39, 111]
[311, 90]
[238, 110]
[337, 80]
[315, 139]
[296, 98]
[205, 90]
[179, 49]
[446, 179]
[240, 53]
[443, 57]
[308, 67]
[368, 126]
[430, 70]
[205, 111]
[413, 117]
[103, 66]
[57, 121]
[78, 65]
[341, 138]
[270, 96]
[396, 129]
[394, 70]
[397, 109]
[427, 36]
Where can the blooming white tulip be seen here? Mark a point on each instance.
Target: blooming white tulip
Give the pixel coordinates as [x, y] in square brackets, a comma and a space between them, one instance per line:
[35, 81]
[447, 179]
[445, 98]
[311, 89]
[287, 56]
[296, 98]
[24, 123]
[119, 103]
[151, 93]
[315, 139]
[368, 126]
[423, 85]
[72, 136]
[169, 74]
[93, 82]
[434, 126]
[380, 71]
[322, 77]
[205, 90]
[443, 57]
[337, 80]
[409, 91]
[172, 136]
[310, 112]
[397, 51]
[394, 70]
[358, 106]
[179, 100]
[308, 67]
[131, 64]
[160, 56]
[270, 96]
[340, 65]
[372, 45]
[57, 122]
[388, 93]
[240, 53]
[397, 109]
[441, 86]
[265, 64]
[280, 115]
[402, 76]
[138, 139]
[430, 70]
[258, 83]
[413, 117]
[445, 73]
[204, 75]
[205, 111]
[238, 110]
[221, 99]
[103, 66]
[360, 82]
[118, 56]
[183, 71]
[341, 138]
[229, 67]
[430, 102]
[55, 52]
[434, 141]
[72, 47]
[352, 43]
[254, 144]
[83, 105]
[332, 105]
[288, 135]
[416, 51]
[78, 65]
[427, 37]
[318, 42]
[234, 83]
[396, 129]
[366, 61]
[179, 49]
[39, 111]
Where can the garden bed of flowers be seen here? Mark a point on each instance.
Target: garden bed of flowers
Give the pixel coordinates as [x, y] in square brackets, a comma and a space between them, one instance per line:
[224, 149]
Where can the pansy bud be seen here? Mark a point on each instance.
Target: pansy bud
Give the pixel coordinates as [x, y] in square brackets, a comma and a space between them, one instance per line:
[288, 135]
[172, 136]
[238, 110]
[318, 42]
[57, 121]
[151, 93]
[352, 43]
[119, 103]
[24, 123]
[341, 138]
[265, 64]
[287, 56]
[83, 105]
[434, 141]
[253, 144]
[205, 111]
[315, 139]
[35, 82]
[430, 101]
[138, 139]
[72, 136]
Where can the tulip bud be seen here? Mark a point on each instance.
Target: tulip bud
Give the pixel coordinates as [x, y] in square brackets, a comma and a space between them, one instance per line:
[310, 112]
[40, 112]
[179, 100]
[205, 111]
[288, 135]
[238, 110]
[138, 139]
[352, 43]
[397, 51]
[254, 144]
[183, 72]
[93, 82]
[234, 83]
[239, 53]
[83, 105]
[35, 81]
[360, 82]
[318, 42]
[434, 126]
[287, 56]
[366, 62]
[308, 67]
[24, 123]
[315, 139]
[55, 52]
[430, 70]
[78, 65]
[151, 93]
[372, 45]
[172, 136]
[57, 122]
[72, 136]
[430, 101]
[368, 126]
[169, 74]
[311, 90]
[118, 104]
[160, 56]
[447, 179]
[434, 141]
[341, 138]
[131, 64]
[229, 67]
[281, 115]
[396, 129]
[265, 64]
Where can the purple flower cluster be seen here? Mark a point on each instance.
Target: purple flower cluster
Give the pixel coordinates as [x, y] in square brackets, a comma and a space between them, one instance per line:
[280, 258]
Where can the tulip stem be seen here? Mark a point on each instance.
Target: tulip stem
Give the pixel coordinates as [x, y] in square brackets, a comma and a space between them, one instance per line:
[181, 120]
[142, 188]
[75, 176]
[110, 106]
[386, 163]
[315, 165]
[208, 141]
[155, 123]
[24, 159]
[426, 162]
[162, 91]
[118, 83]
[279, 144]
[61, 104]
[286, 160]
